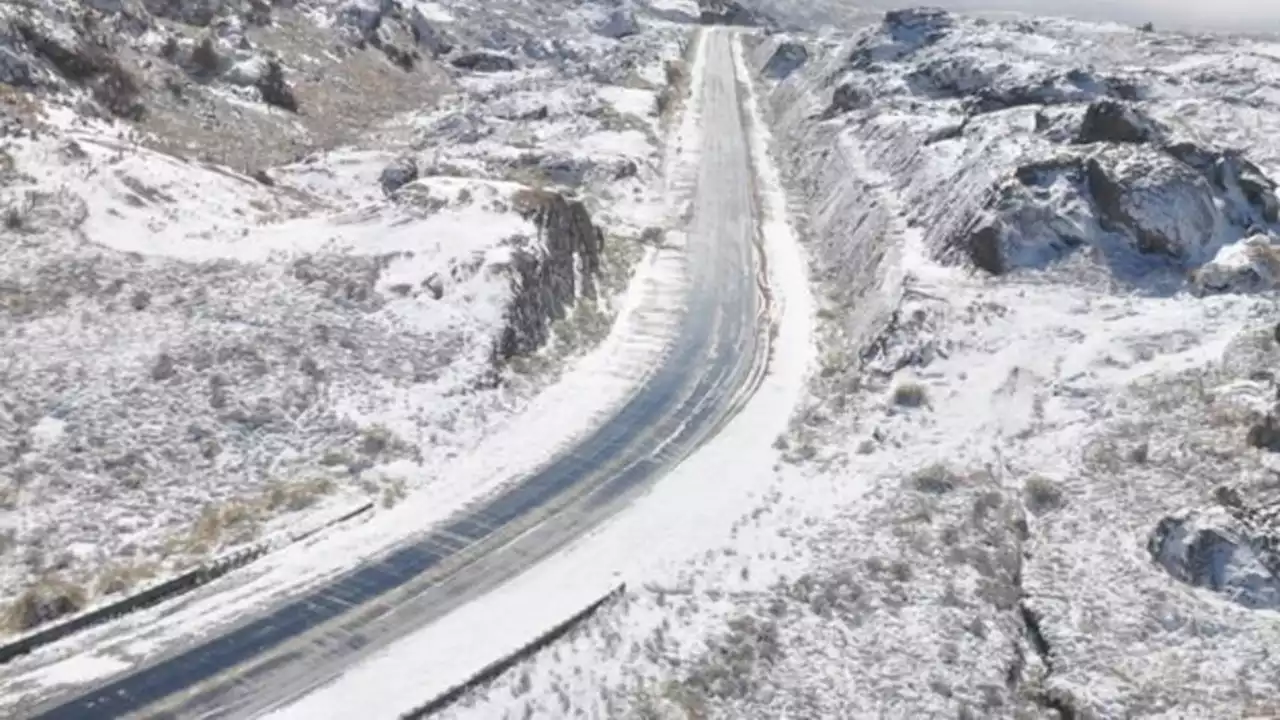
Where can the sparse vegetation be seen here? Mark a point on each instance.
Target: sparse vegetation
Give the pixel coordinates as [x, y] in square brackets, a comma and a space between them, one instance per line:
[910, 395]
[240, 521]
[47, 599]
[936, 479]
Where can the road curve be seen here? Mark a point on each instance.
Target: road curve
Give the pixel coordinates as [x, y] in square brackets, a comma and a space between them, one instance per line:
[270, 659]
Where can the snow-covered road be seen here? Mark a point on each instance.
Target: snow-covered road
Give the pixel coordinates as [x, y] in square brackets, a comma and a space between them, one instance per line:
[716, 362]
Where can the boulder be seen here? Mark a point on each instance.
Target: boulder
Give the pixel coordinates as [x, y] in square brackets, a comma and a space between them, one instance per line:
[1247, 266]
[1112, 121]
[1211, 549]
[844, 98]
[621, 23]
[1164, 205]
[397, 174]
[786, 59]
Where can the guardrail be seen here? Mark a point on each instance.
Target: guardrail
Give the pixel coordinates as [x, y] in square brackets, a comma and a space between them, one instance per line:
[168, 589]
[491, 671]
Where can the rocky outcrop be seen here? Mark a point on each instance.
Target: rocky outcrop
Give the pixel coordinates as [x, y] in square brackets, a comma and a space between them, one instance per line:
[1165, 205]
[1212, 549]
[1111, 121]
[1248, 266]
[397, 174]
[621, 23]
[550, 272]
[1182, 202]
[788, 58]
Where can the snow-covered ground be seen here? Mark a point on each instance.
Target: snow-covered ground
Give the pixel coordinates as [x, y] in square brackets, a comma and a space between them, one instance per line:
[1032, 471]
[210, 354]
[1034, 476]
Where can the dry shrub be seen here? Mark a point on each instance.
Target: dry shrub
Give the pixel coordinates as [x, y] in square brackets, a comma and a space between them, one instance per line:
[275, 89]
[49, 599]
[911, 395]
[205, 57]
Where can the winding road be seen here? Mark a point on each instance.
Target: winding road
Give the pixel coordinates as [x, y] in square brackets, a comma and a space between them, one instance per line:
[719, 358]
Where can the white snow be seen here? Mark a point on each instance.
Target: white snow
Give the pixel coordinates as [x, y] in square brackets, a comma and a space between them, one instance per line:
[687, 513]
[80, 669]
[883, 574]
[631, 101]
[189, 260]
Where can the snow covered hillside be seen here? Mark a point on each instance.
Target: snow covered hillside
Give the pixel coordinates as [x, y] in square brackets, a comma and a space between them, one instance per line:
[260, 259]
[1036, 473]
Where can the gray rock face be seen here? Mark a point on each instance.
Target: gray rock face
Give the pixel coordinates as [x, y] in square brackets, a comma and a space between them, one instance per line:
[620, 23]
[1139, 197]
[789, 57]
[1180, 201]
[428, 34]
[1213, 550]
[399, 173]
[545, 272]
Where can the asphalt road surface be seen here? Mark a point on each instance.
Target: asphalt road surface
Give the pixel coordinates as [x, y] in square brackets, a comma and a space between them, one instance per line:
[270, 659]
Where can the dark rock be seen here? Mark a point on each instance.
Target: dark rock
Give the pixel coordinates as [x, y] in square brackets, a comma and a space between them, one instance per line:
[404, 59]
[1032, 173]
[844, 98]
[786, 59]
[434, 285]
[1264, 435]
[1212, 549]
[950, 132]
[261, 176]
[984, 248]
[1111, 121]
[544, 274]
[542, 113]
[481, 61]
[626, 169]
[275, 90]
